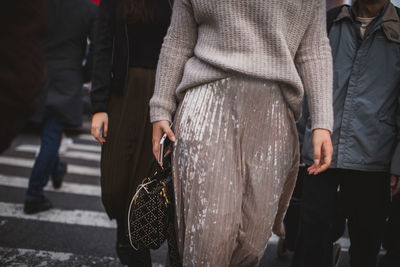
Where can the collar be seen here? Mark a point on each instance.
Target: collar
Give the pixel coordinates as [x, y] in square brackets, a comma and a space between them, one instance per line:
[391, 23]
[390, 19]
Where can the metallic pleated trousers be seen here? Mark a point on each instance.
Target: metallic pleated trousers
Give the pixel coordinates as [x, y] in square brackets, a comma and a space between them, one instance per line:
[235, 164]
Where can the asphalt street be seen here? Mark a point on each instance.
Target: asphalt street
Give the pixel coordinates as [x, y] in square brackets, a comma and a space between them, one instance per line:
[76, 232]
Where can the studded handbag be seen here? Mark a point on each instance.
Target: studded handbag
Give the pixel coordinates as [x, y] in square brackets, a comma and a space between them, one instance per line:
[150, 210]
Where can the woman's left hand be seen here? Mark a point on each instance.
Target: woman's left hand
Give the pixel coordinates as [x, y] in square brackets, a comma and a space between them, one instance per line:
[322, 151]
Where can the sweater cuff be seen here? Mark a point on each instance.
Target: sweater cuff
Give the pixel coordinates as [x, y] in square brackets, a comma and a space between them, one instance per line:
[159, 114]
[323, 122]
[395, 165]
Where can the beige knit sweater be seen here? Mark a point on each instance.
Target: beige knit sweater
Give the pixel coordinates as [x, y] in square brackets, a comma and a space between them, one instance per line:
[213, 39]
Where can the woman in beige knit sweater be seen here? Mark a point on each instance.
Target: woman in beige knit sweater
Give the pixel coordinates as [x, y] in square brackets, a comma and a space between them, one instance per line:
[227, 75]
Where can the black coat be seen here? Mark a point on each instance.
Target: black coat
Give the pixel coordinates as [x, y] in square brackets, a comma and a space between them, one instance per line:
[71, 25]
[22, 73]
[112, 54]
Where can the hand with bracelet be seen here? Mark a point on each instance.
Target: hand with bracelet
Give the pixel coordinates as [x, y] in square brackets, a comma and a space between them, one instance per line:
[395, 184]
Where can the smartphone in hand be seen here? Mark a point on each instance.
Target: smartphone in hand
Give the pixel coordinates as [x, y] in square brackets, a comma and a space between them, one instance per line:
[161, 149]
[164, 143]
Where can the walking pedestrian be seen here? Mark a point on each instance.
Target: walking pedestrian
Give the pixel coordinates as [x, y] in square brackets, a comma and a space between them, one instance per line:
[365, 41]
[230, 67]
[128, 42]
[71, 23]
[22, 71]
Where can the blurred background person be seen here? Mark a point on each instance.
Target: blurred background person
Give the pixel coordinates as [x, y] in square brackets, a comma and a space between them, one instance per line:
[128, 40]
[22, 70]
[71, 24]
[365, 41]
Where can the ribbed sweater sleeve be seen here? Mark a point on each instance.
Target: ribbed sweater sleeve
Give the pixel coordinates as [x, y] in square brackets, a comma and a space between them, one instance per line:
[177, 48]
[314, 61]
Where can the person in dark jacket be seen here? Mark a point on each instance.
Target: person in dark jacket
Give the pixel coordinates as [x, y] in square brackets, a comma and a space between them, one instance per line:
[61, 106]
[365, 41]
[22, 72]
[128, 41]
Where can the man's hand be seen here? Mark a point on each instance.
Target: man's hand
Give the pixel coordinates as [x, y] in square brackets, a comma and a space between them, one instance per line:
[99, 123]
[323, 150]
[395, 184]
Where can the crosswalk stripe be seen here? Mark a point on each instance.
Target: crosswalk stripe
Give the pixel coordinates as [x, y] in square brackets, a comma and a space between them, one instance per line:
[20, 252]
[75, 217]
[28, 163]
[34, 148]
[19, 257]
[92, 148]
[70, 188]
[87, 137]
[68, 154]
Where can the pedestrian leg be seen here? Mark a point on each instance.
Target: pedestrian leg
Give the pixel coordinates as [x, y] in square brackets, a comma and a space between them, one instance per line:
[267, 140]
[314, 242]
[206, 178]
[391, 240]
[367, 195]
[46, 159]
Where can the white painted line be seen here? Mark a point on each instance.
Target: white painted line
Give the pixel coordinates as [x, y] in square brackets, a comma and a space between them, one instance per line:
[34, 148]
[70, 188]
[92, 148]
[87, 137]
[21, 257]
[75, 217]
[68, 154]
[12, 254]
[82, 155]
[28, 163]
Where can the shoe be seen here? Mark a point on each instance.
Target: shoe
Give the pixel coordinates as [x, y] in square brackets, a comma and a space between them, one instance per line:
[37, 205]
[337, 249]
[58, 175]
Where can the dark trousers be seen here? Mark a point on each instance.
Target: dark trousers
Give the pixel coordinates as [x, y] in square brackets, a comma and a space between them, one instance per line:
[391, 241]
[364, 198]
[47, 161]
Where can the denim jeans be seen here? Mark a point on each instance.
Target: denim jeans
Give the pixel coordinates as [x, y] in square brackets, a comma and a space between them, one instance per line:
[47, 160]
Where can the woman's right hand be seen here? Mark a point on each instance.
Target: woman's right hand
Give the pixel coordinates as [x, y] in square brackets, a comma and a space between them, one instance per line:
[99, 123]
[323, 151]
[159, 128]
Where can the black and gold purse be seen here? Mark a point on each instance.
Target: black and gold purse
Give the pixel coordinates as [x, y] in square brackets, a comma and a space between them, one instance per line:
[150, 210]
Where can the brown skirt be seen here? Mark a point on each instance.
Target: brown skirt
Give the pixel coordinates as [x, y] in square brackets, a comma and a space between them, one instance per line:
[127, 154]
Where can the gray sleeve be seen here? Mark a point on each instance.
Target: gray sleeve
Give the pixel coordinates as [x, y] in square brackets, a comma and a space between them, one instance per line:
[177, 48]
[314, 61]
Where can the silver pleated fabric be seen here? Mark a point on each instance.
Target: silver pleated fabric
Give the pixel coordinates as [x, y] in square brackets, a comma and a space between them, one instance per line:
[235, 153]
